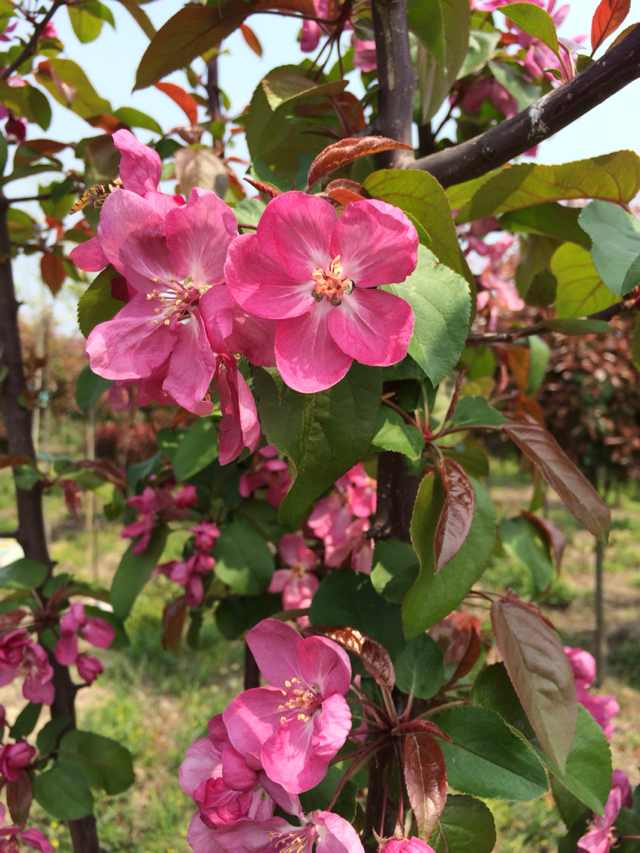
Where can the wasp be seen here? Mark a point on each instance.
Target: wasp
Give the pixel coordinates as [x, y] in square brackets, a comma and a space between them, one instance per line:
[96, 195]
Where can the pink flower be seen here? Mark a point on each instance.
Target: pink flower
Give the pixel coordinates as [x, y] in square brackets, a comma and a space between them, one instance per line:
[602, 708]
[600, 836]
[89, 667]
[186, 497]
[154, 506]
[296, 725]
[404, 845]
[364, 54]
[14, 758]
[323, 832]
[488, 89]
[332, 521]
[49, 31]
[75, 623]
[360, 491]
[189, 573]
[583, 665]
[19, 655]
[12, 836]
[296, 583]
[267, 471]
[172, 260]
[317, 274]
[205, 535]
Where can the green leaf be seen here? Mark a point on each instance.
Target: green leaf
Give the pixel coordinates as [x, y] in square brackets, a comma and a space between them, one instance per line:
[426, 21]
[476, 411]
[613, 177]
[486, 759]
[522, 543]
[134, 571]
[434, 595]
[395, 434]
[198, 448]
[466, 826]
[28, 102]
[86, 26]
[509, 75]
[533, 20]
[78, 94]
[106, 764]
[23, 574]
[482, 47]
[236, 614]
[89, 388]
[442, 307]
[96, 305]
[439, 66]
[580, 289]
[588, 769]
[49, 734]
[4, 150]
[26, 721]
[420, 667]
[395, 567]
[136, 118]
[578, 327]
[323, 435]
[615, 238]
[63, 792]
[547, 220]
[249, 210]
[348, 598]
[421, 197]
[539, 357]
[243, 559]
[493, 690]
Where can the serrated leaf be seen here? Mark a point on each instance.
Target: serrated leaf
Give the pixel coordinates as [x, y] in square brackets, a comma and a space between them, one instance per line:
[345, 151]
[606, 20]
[535, 21]
[476, 411]
[456, 514]
[396, 435]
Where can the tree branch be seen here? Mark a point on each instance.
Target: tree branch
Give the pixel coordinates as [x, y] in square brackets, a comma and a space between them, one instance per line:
[30, 47]
[213, 89]
[617, 68]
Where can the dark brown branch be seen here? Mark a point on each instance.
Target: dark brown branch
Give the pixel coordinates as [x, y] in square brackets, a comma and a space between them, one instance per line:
[31, 528]
[23, 198]
[31, 46]
[213, 89]
[617, 68]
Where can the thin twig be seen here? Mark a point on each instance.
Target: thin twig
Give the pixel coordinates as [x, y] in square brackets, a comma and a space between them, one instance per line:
[31, 46]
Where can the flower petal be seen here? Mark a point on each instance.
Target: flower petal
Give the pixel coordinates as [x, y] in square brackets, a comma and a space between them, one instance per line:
[306, 354]
[275, 646]
[336, 835]
[377, 243]
[191, 367]
[198, 236]
[288, 759]
[240, 426]
[252, 718]
[202, 761]
[323, 662]
[331, 727]
[372, 327]
[89, 255]
[140, 166]
[261, 285]
[295, 231]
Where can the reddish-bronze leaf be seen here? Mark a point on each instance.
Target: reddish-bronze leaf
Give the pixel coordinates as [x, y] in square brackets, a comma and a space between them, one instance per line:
[377, 662]
[540, 674]
[458, 635]
[349, 111]
[52, 271]
[622, 36]
[425, 777]
[19, 797]
[173, 619]
[606, 20]
[7, 461]
[343, 191]
[183, 99]
[555, 539]
[347, 150]
[456, 514]
[251, 39]
[575, 491]
[263, 187]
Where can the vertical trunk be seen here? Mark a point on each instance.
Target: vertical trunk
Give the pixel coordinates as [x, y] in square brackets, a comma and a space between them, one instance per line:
[599, 640]
[31, 526]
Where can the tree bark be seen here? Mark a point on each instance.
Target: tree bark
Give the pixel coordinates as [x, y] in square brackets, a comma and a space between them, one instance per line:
[31, 526]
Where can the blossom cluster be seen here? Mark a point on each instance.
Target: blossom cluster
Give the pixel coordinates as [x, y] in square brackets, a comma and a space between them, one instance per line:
[155, 506]
[22, 657]
[364, 50]
[189, 571]
[13, 836]
[300, 293]
[271, 744]
[98, 632]
[603, 708]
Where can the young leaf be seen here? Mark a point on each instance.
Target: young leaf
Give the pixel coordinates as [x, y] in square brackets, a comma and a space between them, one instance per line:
[540, 674]
[134, 571]
[97, 304]
[456, 514]
[615, 237]
[52, 271]
[425, 777]
[251, 39]
[341, 153]
[533, 20]
[184, 100]
[476, 411]
[606, 20]
[575, 491]
[174, 617]
[580, 289]
[465, 826]
[395, 434]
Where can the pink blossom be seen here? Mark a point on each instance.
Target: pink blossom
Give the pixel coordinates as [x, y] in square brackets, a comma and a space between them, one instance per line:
[14, 758]
[583, 665]
[404, 845]
[342, 535]
[89, 667]
[488, 89]
[267, 471]
[189, 573]
[322, 831]
[317, 275]
[364, 54]
[75, 623]
[186, 497]
[360, 491]
[297, 583]
[154, 506]
[603, 708]
[600, 836]
[205, 535]
[12, 836]
[20, 656]
[297, 724]
[49, 31]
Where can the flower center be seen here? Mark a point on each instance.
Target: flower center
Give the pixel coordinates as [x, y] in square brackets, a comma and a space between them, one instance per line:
[331, 283]
[289, 842]
[300, 701]
[177, 300]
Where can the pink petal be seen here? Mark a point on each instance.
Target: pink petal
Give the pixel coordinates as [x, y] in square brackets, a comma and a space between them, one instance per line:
[191, 367]
[288, 759]
[239, 427]
[279, 580]
[295, 231]
[235, 771]
[331, 727]
[99, 633]
[325, 663]
[306, 354]
[245, 836]
[36, 840]
[275, 646]
[140, 165]
[372, 327]
[294, 551]
[202, 761]
[66, 650]
[262, 285]
[198, 236]
[251, 718]
[89, 255]
[377, 243]
[202, 838]
[336, 835]
[132, 345]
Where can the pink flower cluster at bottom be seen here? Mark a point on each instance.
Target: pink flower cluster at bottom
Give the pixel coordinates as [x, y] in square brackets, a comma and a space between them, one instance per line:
[12, 837]
[20, 656]
[189, 572]
[602, 708]
[600, 837]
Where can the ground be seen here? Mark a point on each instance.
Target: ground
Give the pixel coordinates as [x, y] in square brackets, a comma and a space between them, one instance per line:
[157, 702]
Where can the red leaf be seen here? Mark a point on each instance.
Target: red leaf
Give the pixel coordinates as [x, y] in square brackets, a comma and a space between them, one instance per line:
[575, 491]
[540, 674]
[555, 539]
[52, 271]
[458, 635]
[251, 39]
[378, 663]
[456, 514]
[183, 99]
[425, 776]
[173, 619]
[346, 150]
[343, 191]
[263, 187]
[350, 112]
[606, 20]
[19, 797]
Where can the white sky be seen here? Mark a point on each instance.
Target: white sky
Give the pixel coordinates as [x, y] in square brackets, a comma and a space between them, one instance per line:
[110, 63]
